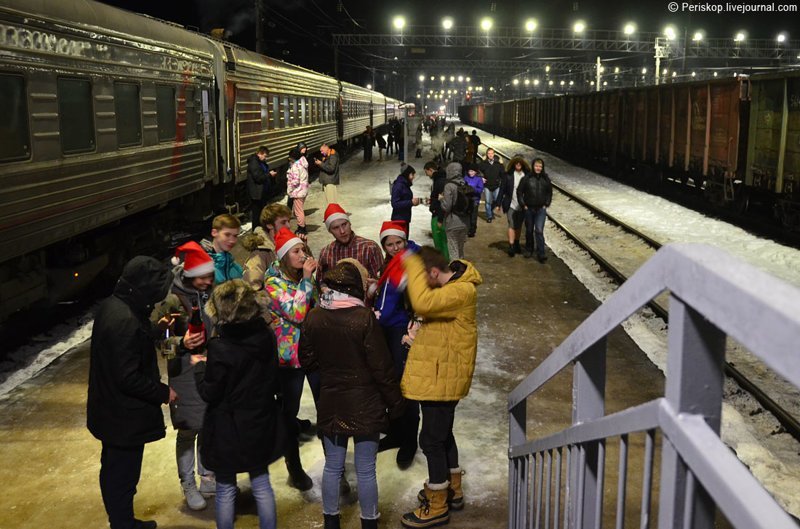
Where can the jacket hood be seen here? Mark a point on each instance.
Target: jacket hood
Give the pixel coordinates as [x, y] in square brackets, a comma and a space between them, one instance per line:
[513, 161]
[144, 282]
[178, 285]
[233, 302]
[453, 171]
[469, 274]
[544, 168]
[256, 241]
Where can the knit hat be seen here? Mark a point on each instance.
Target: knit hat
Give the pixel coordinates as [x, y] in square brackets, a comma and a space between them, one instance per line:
[333, 213]
[285, 240]
[196, 262]
[409, 170]
[348, 277]
[394, 227]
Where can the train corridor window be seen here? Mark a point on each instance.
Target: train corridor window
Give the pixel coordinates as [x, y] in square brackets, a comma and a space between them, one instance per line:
[165, 112]
[75, 118]
[14, 128]
[284, 111]
[191, 114]
[264, 113]
[273, 105]
[293, 114]
[303, 111]
[127, 108]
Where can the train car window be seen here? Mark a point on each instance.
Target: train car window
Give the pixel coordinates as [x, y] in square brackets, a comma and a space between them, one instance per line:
[284, 111]
[127, 107]
[264, 113]
[273, 105]
[165, 112]
[293, 113]
[75, 118]
[14, 127]
[302, 111]
[191, 114]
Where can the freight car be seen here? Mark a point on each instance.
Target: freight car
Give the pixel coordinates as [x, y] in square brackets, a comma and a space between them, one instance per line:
[736, 140]
[113, 121]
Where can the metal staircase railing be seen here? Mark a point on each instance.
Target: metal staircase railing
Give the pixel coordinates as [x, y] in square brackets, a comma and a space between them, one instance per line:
[559, 481]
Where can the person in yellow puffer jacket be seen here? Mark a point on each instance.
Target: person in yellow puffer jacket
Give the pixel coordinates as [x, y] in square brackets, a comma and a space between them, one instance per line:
[438, 372]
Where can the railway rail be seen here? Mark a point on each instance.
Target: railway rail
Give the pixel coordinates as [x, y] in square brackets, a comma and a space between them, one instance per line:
[618, 271]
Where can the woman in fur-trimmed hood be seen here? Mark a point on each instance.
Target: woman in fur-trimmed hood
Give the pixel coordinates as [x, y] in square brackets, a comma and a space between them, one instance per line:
[242, 426]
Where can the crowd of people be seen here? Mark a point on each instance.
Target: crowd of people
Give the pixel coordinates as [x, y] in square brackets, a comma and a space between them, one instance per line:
[384, 332]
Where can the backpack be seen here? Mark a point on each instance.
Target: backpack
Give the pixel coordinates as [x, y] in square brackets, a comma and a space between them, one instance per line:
[465, 199]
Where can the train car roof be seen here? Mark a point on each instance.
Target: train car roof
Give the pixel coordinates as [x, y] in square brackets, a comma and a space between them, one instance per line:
[94, 17]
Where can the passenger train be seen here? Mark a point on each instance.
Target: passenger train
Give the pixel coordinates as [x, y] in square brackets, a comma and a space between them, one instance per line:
[736, 140]
[114, 119]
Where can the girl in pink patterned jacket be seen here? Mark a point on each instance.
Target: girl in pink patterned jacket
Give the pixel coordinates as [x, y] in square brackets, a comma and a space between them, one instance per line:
[297, 185]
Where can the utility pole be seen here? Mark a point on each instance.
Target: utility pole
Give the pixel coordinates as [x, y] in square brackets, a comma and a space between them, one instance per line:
[261, 18]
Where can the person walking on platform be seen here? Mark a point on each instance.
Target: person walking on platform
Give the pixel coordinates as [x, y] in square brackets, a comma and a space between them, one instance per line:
[535, 194]
[390, 138]
[125, 393]
[475, 142]
[438, 373]
[259, 181]
[395, 318]
[297, 186]
[242, 425]
[418, 141]
[458, 146]
[329, 169]
[435, 207]
[347, 244]
[508, 199]
[456, 209]
[225, 231]
[291, 292]
[368, 141]
[190, 291]
[493, 174]
[359, 390]
[475, 181]
[381, 146]
[402, 196]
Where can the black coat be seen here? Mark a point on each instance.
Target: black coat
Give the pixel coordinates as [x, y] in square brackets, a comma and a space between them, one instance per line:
[257, 176]
[535, 191]
[358, 385]
[241, 429]
[493, 172]
[437, 188]
[402, 198]
[507, 190]
[123, 407]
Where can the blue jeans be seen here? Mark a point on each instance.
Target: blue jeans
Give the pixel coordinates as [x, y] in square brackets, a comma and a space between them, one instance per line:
[185, 452]
[534, 229]
[262, 492]
[366, 452]
[490, 197]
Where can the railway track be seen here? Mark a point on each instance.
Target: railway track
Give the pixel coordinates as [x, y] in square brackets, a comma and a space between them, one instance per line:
[620, 250]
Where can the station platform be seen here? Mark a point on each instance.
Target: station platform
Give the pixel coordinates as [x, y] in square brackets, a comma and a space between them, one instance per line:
[50, 462]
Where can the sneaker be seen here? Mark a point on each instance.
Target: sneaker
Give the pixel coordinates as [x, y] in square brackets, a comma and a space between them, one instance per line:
[489, 220]
[194, 500]
[208, 486]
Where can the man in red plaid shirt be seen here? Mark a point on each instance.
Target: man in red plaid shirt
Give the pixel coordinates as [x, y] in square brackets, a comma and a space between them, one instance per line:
[347, 244]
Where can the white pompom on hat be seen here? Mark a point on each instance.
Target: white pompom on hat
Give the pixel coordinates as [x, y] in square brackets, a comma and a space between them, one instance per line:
[285, 240]
[196, 261]
[333, 213]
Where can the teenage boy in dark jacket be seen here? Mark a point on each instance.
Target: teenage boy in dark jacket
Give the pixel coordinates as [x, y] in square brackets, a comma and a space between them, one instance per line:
[535, 193]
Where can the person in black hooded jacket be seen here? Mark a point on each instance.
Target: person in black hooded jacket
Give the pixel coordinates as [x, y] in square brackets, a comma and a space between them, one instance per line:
[534, 194]
[125, 391]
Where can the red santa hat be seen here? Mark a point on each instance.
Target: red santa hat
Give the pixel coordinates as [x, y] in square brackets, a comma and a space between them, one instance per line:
[398, 228]
[196, 262]
[333, 213]
[285, 240]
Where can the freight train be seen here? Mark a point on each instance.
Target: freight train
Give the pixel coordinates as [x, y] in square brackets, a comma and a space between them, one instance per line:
[111, 118]
[735, 140]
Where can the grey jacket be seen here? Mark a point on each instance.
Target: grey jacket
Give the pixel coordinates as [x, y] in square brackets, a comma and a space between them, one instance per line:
[329, 170]
[454, 178]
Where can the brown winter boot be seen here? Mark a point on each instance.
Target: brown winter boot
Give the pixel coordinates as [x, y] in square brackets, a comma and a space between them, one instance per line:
[433, 511]
[455, 494]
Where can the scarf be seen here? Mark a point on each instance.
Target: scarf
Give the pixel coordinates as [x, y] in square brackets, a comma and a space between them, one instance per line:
[333, 299]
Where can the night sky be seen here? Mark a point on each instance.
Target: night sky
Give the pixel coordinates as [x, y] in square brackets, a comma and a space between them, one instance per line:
[299, 31]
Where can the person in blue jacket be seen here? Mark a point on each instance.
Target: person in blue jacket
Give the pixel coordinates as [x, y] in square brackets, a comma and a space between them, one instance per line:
[402, 196]
[395, 318]
[474, 179]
